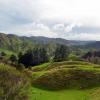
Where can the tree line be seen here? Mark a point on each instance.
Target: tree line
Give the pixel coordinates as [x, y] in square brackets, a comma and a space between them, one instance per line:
[39, 55]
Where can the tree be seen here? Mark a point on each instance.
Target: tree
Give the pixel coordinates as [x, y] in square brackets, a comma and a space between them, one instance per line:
[43, 55]
[61, 53]
[3, 54]
[20, 54]
[34, 57]
[13, 58]
[26, 59]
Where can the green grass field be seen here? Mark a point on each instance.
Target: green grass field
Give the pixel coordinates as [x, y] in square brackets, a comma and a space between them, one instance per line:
[90, 94]
[39, 94]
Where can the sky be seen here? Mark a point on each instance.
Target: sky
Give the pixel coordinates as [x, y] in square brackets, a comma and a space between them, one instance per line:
[69, 19]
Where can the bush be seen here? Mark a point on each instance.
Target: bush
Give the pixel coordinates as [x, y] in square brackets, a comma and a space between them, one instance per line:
[13, 84]
[3, 54]
[13, 58]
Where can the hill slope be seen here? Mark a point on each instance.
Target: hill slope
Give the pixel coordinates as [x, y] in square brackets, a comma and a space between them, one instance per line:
[61, 75]
[17, 43]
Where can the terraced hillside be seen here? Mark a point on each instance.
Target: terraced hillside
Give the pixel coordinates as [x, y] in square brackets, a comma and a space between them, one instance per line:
[66, 78]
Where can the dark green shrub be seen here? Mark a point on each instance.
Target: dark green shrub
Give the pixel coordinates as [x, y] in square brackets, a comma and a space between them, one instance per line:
[13, 58]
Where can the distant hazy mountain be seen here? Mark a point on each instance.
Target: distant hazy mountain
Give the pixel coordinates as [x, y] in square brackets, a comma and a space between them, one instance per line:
[17, 43]
[93, 45]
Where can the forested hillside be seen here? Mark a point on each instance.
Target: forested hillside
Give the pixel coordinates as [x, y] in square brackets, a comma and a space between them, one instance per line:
[18, 43]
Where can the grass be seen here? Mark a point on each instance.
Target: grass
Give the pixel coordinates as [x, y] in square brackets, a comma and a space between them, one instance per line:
[90, 94]
[52, 73]
[95, 94]
[40, 67]
[13, 84]
[39, 94]
[6, 51]
[72, 64]
[37, 74]
[47, 67]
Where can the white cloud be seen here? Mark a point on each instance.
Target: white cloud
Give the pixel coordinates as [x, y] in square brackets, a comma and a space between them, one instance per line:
[59, 27]
[69, 28]
[72, 19]
[85, 11]
[83, 36]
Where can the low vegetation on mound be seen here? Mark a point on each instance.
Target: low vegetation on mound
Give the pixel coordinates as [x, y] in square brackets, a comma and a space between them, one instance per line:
[78, 75]
[13, 84]
[40, 67]
[71, 64]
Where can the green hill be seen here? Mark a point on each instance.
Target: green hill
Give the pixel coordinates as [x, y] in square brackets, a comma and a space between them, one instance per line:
[61, 75]
[72, 80]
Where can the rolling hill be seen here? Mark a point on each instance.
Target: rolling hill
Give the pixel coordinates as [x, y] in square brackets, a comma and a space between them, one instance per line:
[72, 80]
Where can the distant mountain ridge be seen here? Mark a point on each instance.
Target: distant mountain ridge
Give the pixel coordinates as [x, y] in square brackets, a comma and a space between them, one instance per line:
[17, 43]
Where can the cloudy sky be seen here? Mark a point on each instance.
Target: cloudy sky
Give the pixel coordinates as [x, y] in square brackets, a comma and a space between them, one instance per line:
[69, 19]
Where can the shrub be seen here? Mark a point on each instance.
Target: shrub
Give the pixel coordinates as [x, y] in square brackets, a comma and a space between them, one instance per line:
[13, 58]
[13, 84]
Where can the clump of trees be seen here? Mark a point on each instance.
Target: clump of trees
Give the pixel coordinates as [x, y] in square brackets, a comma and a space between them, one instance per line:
[13, 58]
[61, 53]
[34, 57]
[3, 54]
[40, 55]
[93, 57]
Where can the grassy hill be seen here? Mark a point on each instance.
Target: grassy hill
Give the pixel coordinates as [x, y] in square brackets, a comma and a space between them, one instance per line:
[72, 80]
[68, 75]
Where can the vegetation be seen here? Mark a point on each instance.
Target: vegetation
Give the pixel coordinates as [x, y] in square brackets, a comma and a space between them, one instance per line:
[79, 75]
[34, 57]
[13, 58]
[70, 94]
[61, 53]
[40, 94]
[93, 57]
[13, 84]
[39, 68]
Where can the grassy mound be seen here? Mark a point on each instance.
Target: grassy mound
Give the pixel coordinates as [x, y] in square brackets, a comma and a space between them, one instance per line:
[63, 75]
[40, 67]
[13, 84]
[71, 64]
[61, 79]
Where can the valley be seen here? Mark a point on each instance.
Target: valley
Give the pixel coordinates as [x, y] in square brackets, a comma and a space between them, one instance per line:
[48, 69]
